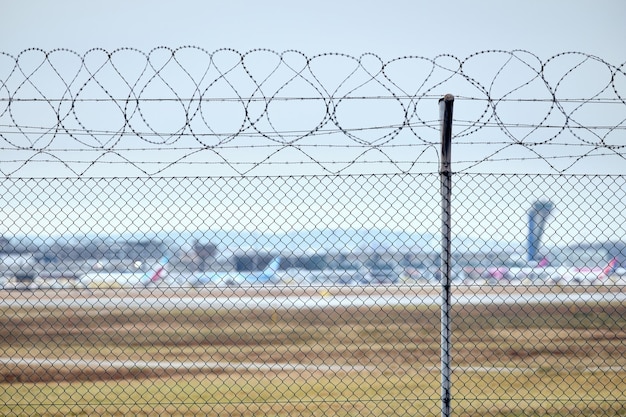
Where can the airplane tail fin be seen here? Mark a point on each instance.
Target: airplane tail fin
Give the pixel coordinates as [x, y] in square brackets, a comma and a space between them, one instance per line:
[543, 262]
[157, 273]
[537, 218]
[609, 268]
[270, 271]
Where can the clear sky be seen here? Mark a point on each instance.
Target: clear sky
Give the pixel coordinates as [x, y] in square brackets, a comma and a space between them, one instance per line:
[390, 28]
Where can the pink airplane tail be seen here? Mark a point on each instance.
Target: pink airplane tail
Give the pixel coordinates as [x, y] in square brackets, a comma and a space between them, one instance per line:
[543, 262]
[157, 273]
[609, 268]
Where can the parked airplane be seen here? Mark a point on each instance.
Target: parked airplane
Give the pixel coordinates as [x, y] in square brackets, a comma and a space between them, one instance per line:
[586, 274]
[533, 271]
[125, 279]
[234, 279]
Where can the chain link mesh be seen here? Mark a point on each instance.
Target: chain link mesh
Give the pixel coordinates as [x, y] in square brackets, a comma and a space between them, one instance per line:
[245, 283]
[347, 325]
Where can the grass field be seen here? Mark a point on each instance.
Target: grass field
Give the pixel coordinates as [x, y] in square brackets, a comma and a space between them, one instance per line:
[508, 360]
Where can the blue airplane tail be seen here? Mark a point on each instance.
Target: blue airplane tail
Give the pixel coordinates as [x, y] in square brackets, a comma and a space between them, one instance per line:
[269, 272]
[537, 219]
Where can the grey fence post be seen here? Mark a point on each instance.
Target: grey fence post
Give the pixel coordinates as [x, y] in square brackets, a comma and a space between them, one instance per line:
[445, 174]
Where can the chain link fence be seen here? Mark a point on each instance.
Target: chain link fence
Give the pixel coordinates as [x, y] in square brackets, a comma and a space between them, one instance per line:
[348, 324]
[302, 274]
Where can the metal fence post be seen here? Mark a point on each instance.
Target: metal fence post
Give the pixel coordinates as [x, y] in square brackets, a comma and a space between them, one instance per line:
[445, 173]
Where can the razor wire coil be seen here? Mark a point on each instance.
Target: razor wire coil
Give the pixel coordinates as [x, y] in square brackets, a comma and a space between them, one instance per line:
[188, 106]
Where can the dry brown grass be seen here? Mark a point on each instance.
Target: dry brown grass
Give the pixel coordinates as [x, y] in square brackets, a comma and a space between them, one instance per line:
[370, 361]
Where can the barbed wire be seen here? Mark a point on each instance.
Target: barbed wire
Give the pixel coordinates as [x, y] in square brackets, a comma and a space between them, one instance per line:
[262, 111]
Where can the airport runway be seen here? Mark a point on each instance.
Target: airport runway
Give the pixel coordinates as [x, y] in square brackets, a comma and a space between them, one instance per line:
[304, 297]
